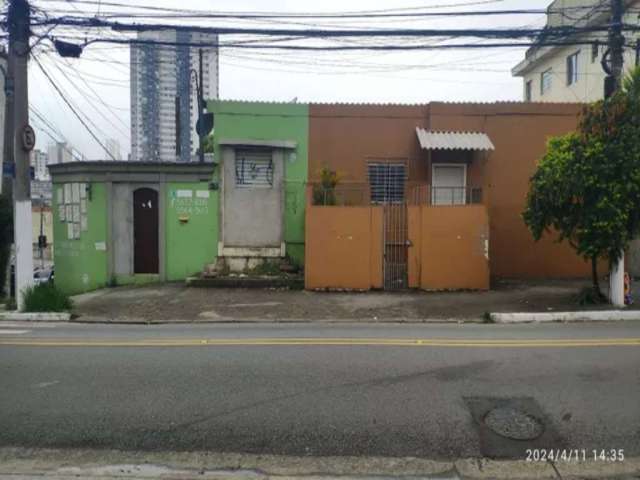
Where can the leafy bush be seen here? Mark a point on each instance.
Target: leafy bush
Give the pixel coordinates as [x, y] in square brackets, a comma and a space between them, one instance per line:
[45, 297]
[324, 193]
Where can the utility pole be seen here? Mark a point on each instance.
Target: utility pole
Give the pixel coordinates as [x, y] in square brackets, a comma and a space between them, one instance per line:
[7, 147]
[200, 102]
[23, 140]
[612, 82]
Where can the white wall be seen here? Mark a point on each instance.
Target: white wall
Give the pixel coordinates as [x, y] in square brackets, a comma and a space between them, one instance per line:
[590, 84]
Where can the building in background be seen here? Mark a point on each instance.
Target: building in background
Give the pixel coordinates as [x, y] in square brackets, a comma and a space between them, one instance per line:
[573, 73]
[41, 179]
[164, 106]
[39, 162]
[113, 147]
[59, 152]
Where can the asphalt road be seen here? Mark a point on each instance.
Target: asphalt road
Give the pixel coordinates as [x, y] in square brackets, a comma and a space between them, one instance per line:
[391, 390]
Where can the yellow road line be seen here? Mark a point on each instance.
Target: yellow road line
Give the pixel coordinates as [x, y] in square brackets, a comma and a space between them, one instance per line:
[397, 342]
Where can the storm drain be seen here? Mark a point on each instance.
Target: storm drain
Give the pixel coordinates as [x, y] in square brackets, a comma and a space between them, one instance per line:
[513, 423]
[508, 426]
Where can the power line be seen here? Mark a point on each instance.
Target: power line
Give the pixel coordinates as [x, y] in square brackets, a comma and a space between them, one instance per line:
[178, 10]
[490, 33]
[331, 48]
[97, 97]
[45, 123]
[53, 83]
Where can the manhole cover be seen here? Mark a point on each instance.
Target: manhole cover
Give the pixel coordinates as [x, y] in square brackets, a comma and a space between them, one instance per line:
[513, 423]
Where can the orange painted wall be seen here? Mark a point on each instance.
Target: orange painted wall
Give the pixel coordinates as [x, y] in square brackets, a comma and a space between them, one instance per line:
[520, 133]
[343, 247]
[448, 249]
[345, 137]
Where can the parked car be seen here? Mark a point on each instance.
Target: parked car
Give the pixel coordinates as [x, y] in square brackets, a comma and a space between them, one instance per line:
[40, 275]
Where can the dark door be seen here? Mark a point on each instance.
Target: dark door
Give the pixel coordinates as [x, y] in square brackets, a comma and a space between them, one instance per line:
[145, 231]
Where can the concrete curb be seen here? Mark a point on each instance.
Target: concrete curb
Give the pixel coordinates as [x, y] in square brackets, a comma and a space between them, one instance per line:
[83, 463]
[91, 319]
[589, 316]
[35, 316]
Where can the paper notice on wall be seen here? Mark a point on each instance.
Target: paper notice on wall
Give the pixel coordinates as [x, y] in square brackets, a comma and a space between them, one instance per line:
[101, 246]
[83, 206]
[76, 213]
[184, 193]
[59, 195]
[202, 193]
[75, 192]
[76, 230]
[69, 213]
[61, 213]
[70, 231]
[83, 190]
[67, 193]
[84, 224]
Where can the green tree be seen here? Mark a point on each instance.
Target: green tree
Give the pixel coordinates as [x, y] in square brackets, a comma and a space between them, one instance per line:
[587, 186]
[208, 144]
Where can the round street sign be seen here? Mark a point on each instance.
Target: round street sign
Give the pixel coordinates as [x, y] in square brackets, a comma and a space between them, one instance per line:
[28, 138]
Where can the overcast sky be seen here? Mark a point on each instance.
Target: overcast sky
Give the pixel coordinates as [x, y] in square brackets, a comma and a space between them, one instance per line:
[102, 73]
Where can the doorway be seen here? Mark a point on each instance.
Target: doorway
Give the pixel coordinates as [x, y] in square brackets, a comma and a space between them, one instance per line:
[145, 231]
[253, 199]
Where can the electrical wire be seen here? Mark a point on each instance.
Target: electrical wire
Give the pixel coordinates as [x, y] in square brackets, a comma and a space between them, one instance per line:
[82, 121]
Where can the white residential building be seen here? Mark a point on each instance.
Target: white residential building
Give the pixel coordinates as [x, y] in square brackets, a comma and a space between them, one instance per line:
[113, 147]
[573, 73]
[163, 94]
[59, 152]
[39, 162]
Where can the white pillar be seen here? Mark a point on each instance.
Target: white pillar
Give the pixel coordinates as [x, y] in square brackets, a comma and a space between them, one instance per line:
[24, 249]
[616, 283]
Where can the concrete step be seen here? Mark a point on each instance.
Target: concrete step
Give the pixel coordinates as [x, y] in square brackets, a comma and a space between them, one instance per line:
[235, 281]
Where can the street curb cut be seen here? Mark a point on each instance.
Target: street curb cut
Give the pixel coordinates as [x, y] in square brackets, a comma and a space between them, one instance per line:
[590, 316]
[36, 316]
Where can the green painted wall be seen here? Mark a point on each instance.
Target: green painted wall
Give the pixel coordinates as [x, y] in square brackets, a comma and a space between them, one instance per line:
[81, 263]
[191, 229]
[273, 121]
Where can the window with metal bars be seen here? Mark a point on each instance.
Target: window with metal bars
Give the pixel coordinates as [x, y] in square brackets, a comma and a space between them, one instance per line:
[254, 168]
[386, 182]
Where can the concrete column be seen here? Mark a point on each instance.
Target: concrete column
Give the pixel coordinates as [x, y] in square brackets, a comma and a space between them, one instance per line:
[616, 283]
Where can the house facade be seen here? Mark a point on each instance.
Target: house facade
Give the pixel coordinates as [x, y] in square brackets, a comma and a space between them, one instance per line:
[362, 196]
[573, 73]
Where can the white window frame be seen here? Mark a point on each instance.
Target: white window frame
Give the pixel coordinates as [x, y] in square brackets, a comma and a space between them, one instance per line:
[573, 65]
[543, 90]
[464, 183]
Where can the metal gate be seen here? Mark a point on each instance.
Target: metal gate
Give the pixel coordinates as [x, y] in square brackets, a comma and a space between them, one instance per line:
[396, 243]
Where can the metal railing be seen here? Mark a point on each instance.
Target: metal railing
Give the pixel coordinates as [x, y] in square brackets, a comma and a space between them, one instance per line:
[361, 194]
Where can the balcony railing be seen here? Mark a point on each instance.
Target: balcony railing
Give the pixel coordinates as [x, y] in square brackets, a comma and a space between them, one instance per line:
[360, 194]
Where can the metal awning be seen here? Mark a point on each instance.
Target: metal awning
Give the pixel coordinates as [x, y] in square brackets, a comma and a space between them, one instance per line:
[432, 140]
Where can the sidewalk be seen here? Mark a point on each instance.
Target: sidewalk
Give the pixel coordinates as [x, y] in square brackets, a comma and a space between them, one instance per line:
[178, 303]
[20, 463]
